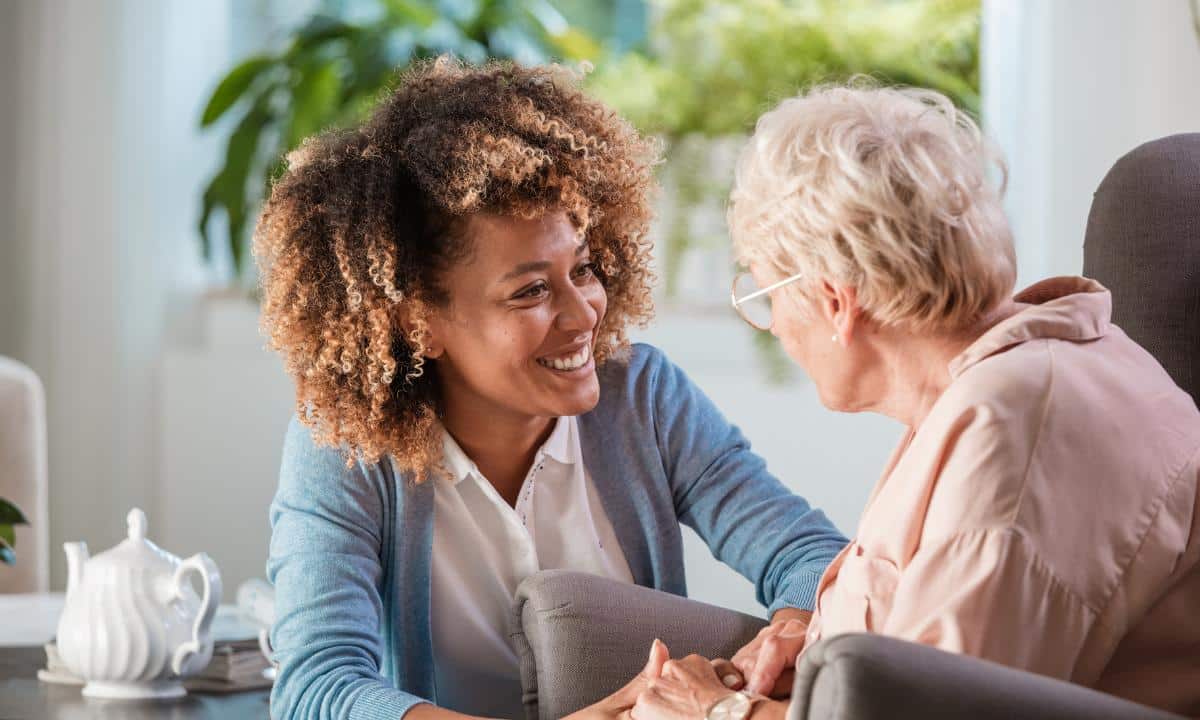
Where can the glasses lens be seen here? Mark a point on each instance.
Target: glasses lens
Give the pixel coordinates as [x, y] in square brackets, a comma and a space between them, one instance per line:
[756, 311]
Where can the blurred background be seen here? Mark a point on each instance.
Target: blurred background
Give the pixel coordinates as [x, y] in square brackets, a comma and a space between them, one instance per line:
[137, 138]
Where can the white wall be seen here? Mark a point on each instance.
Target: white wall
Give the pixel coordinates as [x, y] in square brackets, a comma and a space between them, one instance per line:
[103, 183]
[1069, 87]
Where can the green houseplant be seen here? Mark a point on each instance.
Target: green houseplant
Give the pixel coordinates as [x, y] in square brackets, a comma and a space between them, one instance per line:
[716, 65]
[713, 66]
[330, 72]
[10, 517]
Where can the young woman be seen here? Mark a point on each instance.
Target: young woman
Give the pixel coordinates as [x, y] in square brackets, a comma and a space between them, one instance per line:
[449, 285]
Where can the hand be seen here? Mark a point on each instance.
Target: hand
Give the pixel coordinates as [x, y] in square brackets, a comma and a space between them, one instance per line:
[687, 689]
[767, 663]
[618, 705]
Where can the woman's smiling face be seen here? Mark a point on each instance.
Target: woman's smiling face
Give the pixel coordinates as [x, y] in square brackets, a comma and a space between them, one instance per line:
[518, 333]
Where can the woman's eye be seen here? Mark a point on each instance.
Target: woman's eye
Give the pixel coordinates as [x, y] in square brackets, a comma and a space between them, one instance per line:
[585, 270]
[531, 292]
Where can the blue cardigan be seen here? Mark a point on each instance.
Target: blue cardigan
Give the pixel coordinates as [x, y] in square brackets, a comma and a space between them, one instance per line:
[351, 547]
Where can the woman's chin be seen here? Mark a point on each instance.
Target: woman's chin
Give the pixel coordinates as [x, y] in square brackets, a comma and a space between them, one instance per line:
[576, 397]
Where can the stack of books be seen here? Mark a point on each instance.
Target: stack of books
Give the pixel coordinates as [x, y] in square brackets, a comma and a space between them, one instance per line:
[236, 665]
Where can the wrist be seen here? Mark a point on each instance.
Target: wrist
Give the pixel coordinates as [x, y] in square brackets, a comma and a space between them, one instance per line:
[768, 710]
[789, 613]
[736, 705]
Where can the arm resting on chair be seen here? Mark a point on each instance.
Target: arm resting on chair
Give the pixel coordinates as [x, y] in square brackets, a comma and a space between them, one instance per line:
[582, 637]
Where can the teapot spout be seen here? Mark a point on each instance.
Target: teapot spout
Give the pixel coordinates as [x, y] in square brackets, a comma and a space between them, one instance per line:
[77, 555]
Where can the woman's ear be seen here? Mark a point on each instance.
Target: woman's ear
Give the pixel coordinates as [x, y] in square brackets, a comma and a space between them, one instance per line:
[839, 305]
[426, 323]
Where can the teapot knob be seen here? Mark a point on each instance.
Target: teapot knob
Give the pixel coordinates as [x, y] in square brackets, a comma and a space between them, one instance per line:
[136, 520]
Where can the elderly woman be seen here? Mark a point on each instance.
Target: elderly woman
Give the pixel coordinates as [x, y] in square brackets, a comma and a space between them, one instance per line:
[450, 284]
[1041, 509]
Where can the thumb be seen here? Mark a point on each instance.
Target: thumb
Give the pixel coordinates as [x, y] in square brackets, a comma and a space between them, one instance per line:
[659, 655]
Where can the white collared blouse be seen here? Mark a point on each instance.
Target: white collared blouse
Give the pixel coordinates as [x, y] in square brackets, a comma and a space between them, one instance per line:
[483, 549]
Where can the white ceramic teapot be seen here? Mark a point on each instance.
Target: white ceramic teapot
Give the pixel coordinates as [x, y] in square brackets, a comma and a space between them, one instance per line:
[132, 625]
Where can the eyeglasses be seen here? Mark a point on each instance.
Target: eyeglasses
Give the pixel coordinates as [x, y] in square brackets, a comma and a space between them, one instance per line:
[752, 303]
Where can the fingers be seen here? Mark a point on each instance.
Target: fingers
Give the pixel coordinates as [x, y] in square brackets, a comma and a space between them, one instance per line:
[652, 670]
[743, 660]
[692, 668]
[775, 653]
[784, 684]
[659, 655]
[665, 699]
[731, 677]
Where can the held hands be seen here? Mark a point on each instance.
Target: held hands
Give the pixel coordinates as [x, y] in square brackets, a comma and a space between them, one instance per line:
[618, 705]
[686, 690]
[665, 689]
[767, 664]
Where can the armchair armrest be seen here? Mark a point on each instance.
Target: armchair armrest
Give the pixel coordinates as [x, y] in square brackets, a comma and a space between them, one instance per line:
[582, 637]
[869, 677]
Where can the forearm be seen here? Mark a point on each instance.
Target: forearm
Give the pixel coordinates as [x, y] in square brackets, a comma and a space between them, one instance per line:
[427, 711]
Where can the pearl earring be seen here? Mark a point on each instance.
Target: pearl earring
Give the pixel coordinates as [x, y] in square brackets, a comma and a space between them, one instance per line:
[833, 338]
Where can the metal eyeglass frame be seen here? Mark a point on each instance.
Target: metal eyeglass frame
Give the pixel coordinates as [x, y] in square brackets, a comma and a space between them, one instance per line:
[737, 302]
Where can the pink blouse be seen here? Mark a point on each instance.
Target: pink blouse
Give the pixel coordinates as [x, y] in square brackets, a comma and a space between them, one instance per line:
[1045, 513]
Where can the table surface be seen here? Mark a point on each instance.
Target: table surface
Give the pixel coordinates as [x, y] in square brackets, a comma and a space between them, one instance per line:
[24, 697]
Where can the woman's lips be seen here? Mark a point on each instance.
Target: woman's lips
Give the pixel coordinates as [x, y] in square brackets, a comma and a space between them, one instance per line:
[568, 362]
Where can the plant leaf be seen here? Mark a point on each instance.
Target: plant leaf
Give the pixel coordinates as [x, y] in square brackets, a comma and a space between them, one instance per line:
[575, 44]
[314, 101]
[228, 189]
[409, 12]
[10, 514]
[8, 535]
[317, 31]
[232, 86]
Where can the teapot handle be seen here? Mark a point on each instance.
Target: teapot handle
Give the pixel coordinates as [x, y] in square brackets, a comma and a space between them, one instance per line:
[211, 580]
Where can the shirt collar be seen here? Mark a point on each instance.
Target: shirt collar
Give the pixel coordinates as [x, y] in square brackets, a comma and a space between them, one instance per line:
[562, 446]
[1065, 308]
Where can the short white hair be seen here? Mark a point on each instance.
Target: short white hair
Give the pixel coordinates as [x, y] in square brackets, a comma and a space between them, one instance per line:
[882, 189]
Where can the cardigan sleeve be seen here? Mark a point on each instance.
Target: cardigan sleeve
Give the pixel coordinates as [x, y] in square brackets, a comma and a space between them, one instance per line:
[326, 568]
[723, 491]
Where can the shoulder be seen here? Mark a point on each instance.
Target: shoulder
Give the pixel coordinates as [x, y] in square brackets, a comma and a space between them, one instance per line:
[640, 381]
[629, 378]
[640, 362]
[304, 456]
[312, 474]
[1012, 383]
[980, 440]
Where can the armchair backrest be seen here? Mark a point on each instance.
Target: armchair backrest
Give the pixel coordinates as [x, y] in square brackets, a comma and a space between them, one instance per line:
[1143, 244]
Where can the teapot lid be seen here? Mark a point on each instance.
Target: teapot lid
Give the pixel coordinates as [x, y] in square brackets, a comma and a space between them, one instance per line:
[135, 550]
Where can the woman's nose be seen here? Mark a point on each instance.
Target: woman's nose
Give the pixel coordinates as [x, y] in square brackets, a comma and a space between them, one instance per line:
[576, 312]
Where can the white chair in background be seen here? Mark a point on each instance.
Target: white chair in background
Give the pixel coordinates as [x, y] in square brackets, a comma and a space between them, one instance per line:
[23, 475]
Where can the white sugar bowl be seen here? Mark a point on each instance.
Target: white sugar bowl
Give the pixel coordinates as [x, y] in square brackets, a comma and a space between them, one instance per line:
[132, 625]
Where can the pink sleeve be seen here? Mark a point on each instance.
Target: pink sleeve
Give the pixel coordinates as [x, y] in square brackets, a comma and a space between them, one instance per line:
[985, 593]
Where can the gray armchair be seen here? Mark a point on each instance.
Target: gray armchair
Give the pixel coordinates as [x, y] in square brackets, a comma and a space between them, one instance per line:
[582, 637]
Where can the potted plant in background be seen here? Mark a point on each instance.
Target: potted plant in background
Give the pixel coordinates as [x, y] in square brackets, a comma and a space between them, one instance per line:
[713, 66]
[10, 517]
[331, 72]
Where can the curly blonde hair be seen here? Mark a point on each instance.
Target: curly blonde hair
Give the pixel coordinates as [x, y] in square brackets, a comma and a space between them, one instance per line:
[359, 230]
[885, 189]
